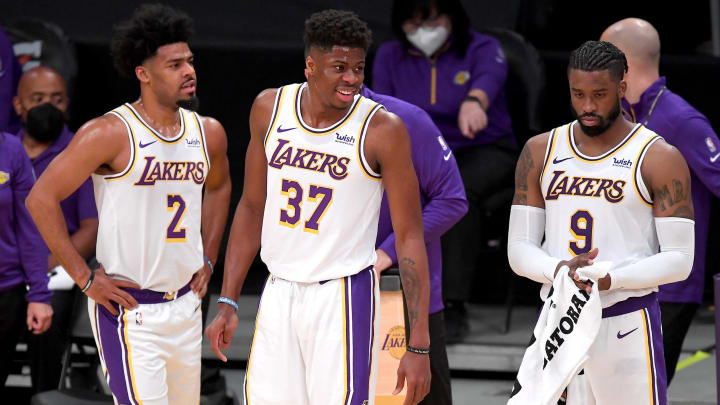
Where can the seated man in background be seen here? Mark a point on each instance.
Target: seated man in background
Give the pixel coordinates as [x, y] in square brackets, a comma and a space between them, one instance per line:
[443, 201]
[41, 102]
[648, 101]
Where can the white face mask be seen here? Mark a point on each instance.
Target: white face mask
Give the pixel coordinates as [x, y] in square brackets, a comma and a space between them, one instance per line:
[428, 40]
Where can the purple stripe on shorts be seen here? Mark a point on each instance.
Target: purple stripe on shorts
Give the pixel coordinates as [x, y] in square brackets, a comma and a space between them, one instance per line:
[361, 300]
[109, 328]
[657, 355]
[630, 305]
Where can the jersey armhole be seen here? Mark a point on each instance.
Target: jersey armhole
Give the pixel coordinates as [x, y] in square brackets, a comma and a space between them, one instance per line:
[548, 152]
[131, 138]
[638, 181]
[361, 144]
[201, 132]
[275, 113]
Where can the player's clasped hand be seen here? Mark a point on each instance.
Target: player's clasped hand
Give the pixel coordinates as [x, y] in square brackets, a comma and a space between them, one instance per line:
[220, 330]
[581, 260]
[105, 290]
[415, 368]
[39, 317]
[200, 280]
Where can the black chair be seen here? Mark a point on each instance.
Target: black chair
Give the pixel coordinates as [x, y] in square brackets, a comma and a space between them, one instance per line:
[524, 89]
[81, 335]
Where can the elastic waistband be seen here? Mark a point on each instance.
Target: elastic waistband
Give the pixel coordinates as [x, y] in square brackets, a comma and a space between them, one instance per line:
[156, 297]
[630, 305]
[352, 275]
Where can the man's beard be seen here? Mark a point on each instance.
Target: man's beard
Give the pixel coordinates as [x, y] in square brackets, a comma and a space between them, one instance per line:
[192, 103]
[603, 124]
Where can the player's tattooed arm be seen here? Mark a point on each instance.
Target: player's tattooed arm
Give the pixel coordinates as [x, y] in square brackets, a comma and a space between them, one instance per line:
[665, 173]
[527, 172]
[409, 277]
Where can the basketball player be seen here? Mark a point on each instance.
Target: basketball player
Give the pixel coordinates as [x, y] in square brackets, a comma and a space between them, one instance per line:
[149, 161]
[602, 188]
[318, 159]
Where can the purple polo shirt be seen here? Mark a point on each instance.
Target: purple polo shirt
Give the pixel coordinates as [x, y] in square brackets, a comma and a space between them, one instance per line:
[439, 86]
[688, 130]
[9, 77]
[80, 204]
[23, 258]
[442, 194]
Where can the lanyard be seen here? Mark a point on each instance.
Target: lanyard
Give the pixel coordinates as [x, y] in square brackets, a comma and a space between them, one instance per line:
[652, 106]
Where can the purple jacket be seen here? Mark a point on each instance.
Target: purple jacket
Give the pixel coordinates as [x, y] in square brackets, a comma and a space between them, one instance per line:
[442, 194]
[688, 130]
[80, 204]
[10, 73]
[23, 256]
[439, 86]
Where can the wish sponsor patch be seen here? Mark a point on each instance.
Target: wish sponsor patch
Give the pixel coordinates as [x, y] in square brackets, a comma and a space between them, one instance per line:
[192, 143]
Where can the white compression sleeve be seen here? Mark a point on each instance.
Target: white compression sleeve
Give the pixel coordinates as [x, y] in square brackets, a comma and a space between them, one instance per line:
[674, 262]
[527, 259]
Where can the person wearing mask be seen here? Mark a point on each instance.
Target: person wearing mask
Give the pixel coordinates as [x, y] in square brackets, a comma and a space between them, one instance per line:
[24, 294]
[458, 76]
[443, 201]
[42, 102]
[650, 102]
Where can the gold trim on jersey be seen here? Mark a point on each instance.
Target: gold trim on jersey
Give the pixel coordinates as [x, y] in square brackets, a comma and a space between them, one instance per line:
[275, 114]
[181, 135]
[133, 150]
[323, 131]
[201, 133]
[359, 148]
[551, 149]
[649, 356]
[604, 156]
[638, 163]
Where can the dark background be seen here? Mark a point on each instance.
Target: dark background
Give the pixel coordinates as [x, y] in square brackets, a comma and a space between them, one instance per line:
[243, 47]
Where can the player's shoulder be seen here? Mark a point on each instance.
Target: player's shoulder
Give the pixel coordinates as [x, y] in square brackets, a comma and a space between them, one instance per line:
[265, 101]
[109, 125]
[386, 121]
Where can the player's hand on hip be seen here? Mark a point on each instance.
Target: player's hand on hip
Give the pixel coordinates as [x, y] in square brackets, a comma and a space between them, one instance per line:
[105, 290]
[39, 317]
[415, 368]
[220, 330]
[200, 280]
[581, 260]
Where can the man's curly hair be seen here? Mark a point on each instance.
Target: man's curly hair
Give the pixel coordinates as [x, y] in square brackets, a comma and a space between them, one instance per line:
[150, 27]
[328, 28]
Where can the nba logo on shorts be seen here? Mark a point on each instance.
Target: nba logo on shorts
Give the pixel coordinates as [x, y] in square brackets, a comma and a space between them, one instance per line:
[138, 318]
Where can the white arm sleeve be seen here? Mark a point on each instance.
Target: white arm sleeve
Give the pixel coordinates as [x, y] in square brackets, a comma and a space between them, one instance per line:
[673, 263]
[527, 259]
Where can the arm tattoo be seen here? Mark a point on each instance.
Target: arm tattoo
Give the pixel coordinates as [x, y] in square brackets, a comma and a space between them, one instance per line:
[410, 284]
[679, 195]
[524, 165]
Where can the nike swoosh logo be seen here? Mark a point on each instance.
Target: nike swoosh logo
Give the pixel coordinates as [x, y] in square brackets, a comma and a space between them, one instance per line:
[714, 158]
[622, 335]
[446, 157]
[281, 129]
[142, 145]
[556, 160]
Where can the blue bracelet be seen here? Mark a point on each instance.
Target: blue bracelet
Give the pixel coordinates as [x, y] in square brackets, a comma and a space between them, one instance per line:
[228, 301]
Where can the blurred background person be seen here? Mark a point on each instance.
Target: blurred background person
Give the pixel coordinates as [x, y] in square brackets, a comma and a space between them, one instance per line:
[9, 75]
[24, 294]
[458, 76]
[42, 102]
[443, 201]
[650, 102]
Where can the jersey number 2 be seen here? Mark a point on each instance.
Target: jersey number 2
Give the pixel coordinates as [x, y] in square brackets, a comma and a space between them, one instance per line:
[175, 233]
[290, 216]
[581, 228]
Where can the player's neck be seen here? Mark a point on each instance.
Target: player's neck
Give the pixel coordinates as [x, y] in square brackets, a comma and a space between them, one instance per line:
[165, 120]
[599, 144]
[317, 114]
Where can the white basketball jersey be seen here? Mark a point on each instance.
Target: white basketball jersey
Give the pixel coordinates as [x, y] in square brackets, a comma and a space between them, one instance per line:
[599, 202]
[150, 213]
[323, 199]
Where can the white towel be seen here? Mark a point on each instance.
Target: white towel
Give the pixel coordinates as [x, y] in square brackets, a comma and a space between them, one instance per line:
[567, 326]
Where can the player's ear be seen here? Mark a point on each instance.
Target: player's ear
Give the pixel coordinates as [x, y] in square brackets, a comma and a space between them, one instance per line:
[310, 66]
[142, 74]
[622, 87]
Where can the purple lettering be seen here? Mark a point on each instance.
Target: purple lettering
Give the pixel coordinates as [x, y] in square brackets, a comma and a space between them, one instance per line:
[146, 180]
[273, 163]
[550, 195]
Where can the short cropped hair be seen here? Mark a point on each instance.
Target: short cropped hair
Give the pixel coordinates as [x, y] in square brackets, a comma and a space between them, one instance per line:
[329, 28]
[599, 55]
[150, 27]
